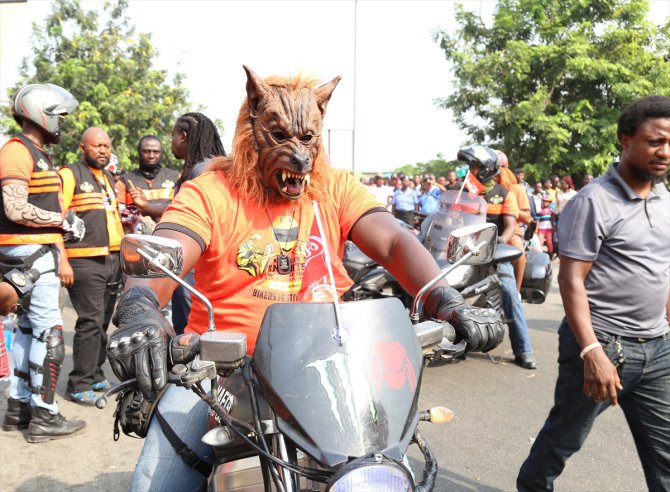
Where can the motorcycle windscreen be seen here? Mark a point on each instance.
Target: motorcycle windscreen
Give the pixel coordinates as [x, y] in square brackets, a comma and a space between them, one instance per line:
[337, 401]
[456, 209]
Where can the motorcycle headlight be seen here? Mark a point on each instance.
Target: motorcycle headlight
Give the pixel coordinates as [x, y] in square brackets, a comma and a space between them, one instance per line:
[372, 477]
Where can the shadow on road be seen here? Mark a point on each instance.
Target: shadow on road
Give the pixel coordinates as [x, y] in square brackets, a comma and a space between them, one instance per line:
[446, 480]
[107, 481]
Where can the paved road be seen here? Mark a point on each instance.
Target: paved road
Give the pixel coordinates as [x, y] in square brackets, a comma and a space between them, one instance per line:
[499, 410]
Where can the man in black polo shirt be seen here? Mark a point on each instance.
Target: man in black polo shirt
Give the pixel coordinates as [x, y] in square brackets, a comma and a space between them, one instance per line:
[88, 189]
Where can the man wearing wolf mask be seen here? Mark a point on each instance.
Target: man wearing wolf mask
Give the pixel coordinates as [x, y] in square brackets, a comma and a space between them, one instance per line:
[249, 227]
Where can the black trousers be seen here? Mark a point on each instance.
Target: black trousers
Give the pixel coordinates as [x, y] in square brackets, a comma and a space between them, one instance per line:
[97, 282]
[407, 216]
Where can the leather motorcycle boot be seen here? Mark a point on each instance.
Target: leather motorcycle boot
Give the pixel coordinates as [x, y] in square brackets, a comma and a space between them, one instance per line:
[17, 416]
[527, 361]
[45, 426]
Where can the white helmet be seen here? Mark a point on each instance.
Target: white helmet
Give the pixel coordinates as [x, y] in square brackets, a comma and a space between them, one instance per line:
[45, 105]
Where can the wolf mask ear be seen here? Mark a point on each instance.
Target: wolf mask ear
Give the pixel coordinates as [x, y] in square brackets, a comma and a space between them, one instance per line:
[323, 93]
[257, 90]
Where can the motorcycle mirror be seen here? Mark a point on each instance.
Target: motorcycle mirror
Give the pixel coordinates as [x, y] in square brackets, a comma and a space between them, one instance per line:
[141, 255]
[470, 245]
[155, 257]
[479, 239]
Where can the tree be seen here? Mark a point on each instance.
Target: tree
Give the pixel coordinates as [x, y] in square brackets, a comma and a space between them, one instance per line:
[547, 81]
[108, 68]
[438, 166]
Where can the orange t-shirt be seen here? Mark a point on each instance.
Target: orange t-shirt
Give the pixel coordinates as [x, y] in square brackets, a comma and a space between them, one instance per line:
[523, 204]
[16, 162]
[245, 248]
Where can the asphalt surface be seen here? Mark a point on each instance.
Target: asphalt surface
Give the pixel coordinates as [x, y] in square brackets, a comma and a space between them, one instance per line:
[501, 407]
[499, 410]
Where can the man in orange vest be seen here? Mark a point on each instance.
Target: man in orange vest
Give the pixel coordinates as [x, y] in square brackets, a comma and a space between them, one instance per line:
[31, 231]
[156, 183]
[88, 189]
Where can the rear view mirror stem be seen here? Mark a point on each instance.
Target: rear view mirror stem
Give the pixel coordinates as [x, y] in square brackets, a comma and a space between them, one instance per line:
[473, 251]
[155, 261]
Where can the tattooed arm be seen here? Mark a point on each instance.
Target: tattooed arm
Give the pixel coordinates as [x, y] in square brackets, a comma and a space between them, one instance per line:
[17, 208]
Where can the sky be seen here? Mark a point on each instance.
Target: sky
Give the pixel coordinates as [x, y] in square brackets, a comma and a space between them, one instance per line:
[381, 116]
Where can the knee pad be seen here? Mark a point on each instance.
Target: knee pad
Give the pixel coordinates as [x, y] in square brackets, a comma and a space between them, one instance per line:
[53, 360]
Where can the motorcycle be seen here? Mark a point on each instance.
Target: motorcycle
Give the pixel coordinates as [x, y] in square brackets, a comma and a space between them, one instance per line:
[479, 284]
[460, 208]
[335, 408]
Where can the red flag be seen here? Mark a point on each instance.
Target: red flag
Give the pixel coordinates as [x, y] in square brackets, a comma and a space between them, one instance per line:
[473, 185]
[315, 286]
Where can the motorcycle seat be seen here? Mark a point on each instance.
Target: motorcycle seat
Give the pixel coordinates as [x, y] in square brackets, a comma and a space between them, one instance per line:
[505, 253]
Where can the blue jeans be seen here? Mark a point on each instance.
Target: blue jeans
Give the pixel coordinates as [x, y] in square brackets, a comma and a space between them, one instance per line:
[518, 328]
[159, 467]
[644, 399]
[43, 314]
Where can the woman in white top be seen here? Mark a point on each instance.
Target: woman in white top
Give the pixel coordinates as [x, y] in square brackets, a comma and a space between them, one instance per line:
[566, 192]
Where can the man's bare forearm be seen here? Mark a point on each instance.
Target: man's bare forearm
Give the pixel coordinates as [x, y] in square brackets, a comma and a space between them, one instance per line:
[17, 208]
[575, 301]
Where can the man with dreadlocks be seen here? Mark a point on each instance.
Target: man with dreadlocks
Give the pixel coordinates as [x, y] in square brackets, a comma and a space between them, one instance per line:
[249, 228]
[195, 139]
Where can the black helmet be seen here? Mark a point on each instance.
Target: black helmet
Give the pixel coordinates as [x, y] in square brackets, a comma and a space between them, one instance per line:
[484, 157]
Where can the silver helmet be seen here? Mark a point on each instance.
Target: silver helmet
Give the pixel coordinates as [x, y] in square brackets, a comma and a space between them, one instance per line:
[45, 105]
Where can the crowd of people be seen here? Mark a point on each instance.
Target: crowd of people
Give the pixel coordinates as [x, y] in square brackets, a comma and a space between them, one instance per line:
[67, 225]
[411, 199]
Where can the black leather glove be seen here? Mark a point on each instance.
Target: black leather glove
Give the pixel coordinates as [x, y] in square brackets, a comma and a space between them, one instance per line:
[138, 349]
[481, 328]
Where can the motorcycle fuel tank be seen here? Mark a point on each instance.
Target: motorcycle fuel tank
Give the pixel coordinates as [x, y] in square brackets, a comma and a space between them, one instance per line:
[337, 401]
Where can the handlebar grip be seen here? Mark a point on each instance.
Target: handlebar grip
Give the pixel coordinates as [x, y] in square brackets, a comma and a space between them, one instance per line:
[184, 348]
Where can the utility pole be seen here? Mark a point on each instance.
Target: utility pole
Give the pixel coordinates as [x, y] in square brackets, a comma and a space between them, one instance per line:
[353, 131]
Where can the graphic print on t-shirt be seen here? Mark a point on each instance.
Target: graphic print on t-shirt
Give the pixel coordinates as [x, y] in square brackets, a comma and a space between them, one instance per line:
[261, 256]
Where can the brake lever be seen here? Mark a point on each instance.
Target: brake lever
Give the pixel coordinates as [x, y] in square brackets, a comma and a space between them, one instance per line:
[194, 372]
[101, 402]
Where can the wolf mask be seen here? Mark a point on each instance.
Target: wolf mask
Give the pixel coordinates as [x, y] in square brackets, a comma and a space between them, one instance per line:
[277, 152]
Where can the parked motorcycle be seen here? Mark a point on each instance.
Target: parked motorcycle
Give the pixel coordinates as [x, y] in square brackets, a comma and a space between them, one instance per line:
[334, 408]
[478, 284]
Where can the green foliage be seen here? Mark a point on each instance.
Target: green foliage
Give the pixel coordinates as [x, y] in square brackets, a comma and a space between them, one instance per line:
[438, 166]
[547, 81]
[108, 68]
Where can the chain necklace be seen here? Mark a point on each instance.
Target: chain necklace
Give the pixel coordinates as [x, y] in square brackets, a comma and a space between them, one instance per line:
[284, 260]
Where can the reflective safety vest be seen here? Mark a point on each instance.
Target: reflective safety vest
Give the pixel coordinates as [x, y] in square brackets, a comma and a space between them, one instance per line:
[43, 192]
[161, 187]
[89, 202]
[495, 199]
